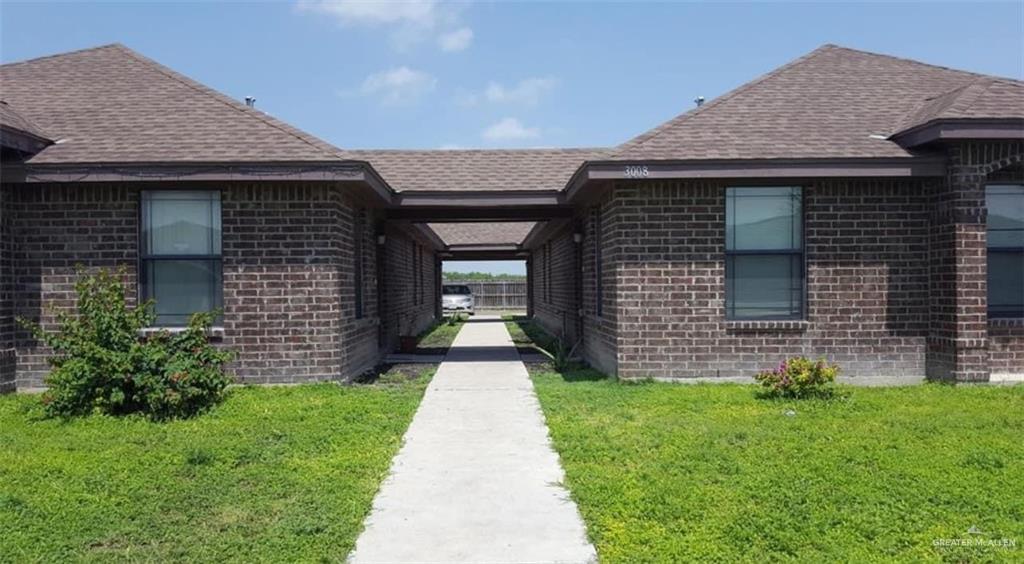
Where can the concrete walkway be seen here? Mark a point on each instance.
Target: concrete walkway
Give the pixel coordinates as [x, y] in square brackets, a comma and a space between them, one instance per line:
[477, 479]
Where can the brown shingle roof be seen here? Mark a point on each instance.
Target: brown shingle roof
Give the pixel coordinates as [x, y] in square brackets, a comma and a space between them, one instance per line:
[507, 233]
[827, 104]
[984, 98]
[499, 169]
[10, 118]
[111, 105]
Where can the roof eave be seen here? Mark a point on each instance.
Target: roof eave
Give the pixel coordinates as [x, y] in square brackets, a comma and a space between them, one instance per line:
[323, 171]
[960, 129]
[544, 231]
[22, 141]
[641, 169]
[430, 235]
[485, 252]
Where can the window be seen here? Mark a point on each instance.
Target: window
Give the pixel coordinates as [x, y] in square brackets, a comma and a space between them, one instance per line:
[181, 253]
[764, 262]
[357, 252]
[1005, 250]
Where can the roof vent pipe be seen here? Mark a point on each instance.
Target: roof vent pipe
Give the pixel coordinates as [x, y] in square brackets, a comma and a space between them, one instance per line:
[250, 101]
[699, 100]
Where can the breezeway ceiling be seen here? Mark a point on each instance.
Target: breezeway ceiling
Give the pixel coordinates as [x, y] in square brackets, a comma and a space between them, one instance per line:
[495, 233]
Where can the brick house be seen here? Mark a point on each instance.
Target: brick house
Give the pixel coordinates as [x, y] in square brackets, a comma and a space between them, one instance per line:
[856, 206]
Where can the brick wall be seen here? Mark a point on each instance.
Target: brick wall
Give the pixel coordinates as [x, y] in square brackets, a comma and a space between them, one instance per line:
[286, 261]
[1006, 347]
[554, 286]
[410, 283]
[961, 340]
[7, 355]
[601, 228]
[361, 336]
[289, 267]
[867, 277]
[53, 229]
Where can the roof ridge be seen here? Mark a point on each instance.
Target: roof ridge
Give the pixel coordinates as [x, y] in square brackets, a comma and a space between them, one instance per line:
[652, 133]
[62, 54]
[230, 102]
[39, 131]
[959, 101]
[966, 99]
[921, 63]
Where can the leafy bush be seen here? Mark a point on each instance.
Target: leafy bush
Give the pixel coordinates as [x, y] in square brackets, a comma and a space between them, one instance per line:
[101, 364]
[798, 378]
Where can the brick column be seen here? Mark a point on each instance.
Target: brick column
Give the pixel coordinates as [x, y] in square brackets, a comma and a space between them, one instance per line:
[958, 321]
[7, 361]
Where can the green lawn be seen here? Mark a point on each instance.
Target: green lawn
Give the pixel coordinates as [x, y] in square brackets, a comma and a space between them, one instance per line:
[669, 472]
[280, 473]
[439, 337]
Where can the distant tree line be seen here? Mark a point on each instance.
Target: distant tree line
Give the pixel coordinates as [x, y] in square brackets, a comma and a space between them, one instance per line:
[481, 276]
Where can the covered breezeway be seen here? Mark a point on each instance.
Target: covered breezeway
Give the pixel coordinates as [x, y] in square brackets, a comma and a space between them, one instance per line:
[490, 205]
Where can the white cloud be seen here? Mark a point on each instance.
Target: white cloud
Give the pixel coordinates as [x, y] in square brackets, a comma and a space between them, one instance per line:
[397, 86]
[457, 40]
[367, 12]
[410, 21]
[527, 92]
[510, 129]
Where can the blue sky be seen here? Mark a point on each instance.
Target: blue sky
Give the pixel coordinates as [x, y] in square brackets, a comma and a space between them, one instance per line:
[501, 74]
[489, 74]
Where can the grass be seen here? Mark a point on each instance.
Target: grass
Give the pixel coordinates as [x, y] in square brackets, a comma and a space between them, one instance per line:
[527, 334]
[281, 473]
[670, 472]
[440, 336]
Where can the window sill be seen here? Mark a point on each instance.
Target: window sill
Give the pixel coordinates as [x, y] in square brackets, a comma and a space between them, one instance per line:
[778, 325]
[215, 333]
[1010, 322]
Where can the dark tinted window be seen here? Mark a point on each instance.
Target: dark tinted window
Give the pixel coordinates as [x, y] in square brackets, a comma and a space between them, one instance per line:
[457, 290]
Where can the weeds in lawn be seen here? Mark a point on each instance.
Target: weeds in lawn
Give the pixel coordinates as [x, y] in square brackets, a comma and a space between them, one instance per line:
[526, 333]
[453, 319]
[707, 472]
[273, 474]
[799, 377]
[440, 336]
[199, 457]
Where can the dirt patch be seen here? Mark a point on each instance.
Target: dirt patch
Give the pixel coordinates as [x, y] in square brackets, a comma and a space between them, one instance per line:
[538, 367]
[391, 373]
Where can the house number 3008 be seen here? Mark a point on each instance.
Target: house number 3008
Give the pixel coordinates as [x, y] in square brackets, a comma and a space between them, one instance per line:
[636, 172]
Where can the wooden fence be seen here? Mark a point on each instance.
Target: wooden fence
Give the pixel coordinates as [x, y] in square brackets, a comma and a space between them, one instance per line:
[496, 294]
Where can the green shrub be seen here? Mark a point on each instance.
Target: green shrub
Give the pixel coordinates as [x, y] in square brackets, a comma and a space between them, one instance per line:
[101, 364]
[798, 378]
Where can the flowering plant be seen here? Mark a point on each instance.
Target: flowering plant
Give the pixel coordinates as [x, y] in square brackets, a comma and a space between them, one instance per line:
[799, 377]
